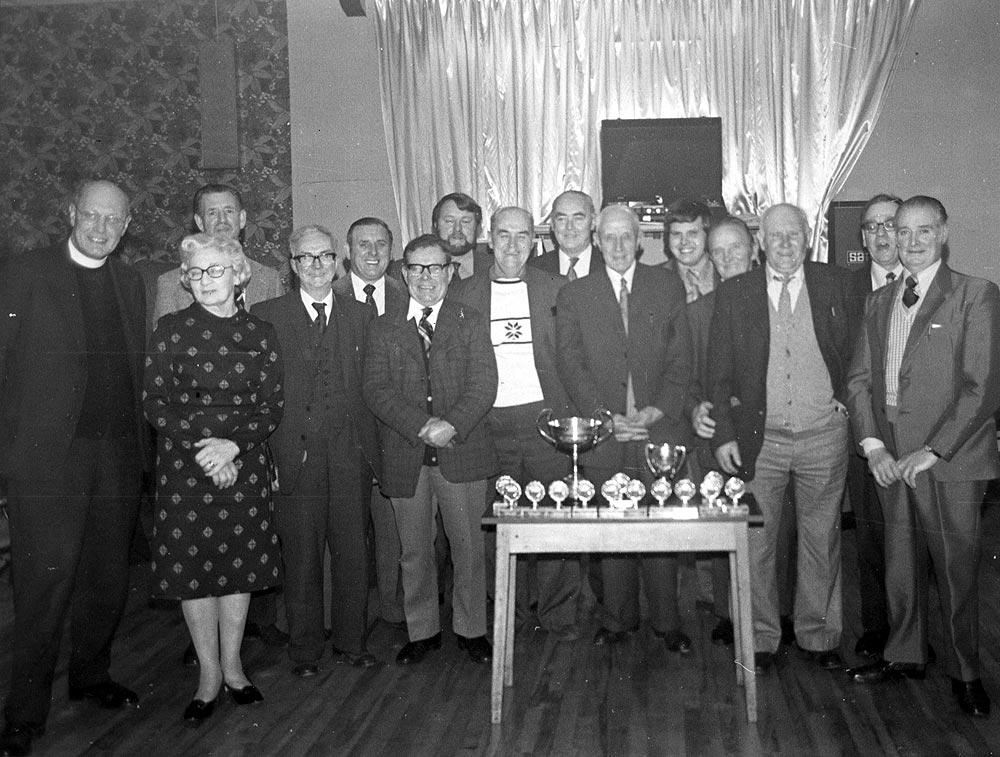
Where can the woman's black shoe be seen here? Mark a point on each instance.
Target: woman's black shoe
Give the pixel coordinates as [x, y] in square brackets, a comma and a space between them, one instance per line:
[249, 694]
[198, 710]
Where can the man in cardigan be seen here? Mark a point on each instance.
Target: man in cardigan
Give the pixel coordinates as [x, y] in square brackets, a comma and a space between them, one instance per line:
[72, 438]
[781, 337]
[431, 378]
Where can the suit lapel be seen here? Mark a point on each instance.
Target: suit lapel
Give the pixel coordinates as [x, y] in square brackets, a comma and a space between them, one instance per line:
[937, 292]
[342, 319]
[757, 311]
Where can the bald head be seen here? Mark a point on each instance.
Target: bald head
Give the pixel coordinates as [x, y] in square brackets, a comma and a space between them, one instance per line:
[784, 237]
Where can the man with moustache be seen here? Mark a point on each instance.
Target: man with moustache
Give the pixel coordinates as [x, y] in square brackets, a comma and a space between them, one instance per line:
[519, 301]
[431, 378]
[685, 231]
[923, 386]
[369, 242]
[623, 344]
[572, 222]
[326, 452]
[878, 234]
[72, 452]
[781, 337]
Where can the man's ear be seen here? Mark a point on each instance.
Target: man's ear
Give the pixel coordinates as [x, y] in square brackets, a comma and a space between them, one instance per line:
[243, 219]
[199, 223]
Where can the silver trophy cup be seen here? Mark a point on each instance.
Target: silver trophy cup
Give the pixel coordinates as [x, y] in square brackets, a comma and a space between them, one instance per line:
[573, 436]
[665, 460]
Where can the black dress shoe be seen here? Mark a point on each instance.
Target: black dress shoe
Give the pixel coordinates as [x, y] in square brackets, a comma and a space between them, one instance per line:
[16, 739]
[972, 697]
[306, 670]
[270, 635]
[415, 651]
[108, 694]
[249, 694]
[787, 630]
[828, 660]
[364, 660]
[871, 643]
[476, 647]
[606, 637]
[190, 658]
[722, 634]
[197, 710]
[763, 662]
[676, 640]
[883, 670]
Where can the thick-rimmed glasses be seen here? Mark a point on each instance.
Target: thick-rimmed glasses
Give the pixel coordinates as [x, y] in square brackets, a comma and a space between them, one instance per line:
[307, 259]
[418, 269]
[214, 271]
[94, 219]
[872, 227]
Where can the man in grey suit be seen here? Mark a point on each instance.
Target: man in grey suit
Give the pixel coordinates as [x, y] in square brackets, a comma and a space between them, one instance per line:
[520, 302]
[369, 242]
[431, 378]
[572, 222]
[923, 387]
[218, 209]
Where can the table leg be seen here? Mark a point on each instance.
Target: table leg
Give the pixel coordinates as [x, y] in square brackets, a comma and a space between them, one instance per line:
[746, 620]
[508, 663]
[501, 599]
[734, 614]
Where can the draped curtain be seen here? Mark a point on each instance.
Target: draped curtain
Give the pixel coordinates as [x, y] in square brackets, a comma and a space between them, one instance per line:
[503, 99]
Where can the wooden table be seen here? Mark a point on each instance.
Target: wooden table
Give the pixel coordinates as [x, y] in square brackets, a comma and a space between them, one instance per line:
[521, 532]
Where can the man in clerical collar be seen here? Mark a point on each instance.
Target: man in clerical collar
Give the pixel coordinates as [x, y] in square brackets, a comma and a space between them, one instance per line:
[685, 236]
[572, 223]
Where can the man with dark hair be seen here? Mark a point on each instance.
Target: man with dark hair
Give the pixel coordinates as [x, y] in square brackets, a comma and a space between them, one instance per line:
[923, 386]
[457, 219]
[72, 452]
[431, 378]
[572, 224]
[685, 236]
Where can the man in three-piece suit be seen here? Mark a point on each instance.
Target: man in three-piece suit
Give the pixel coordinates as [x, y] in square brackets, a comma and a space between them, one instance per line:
[781, 339]
[431, 378]
[369, 242]
[923, 386]
[572, 222]
[878, 235]
[326, 451]
[520, 302]
[623, 344]
[72, 452]
[218, 209]
[685, 235]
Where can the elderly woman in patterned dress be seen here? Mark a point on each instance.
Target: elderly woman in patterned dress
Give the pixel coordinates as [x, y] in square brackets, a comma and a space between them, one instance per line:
[213, 392]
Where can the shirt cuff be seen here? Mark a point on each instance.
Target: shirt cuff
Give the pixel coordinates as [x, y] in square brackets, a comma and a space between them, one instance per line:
[870, 443]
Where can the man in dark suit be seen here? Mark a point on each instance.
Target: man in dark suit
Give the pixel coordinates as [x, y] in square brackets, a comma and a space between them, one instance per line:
[685, 235]
[572, 222]
[431, 378]
[326, 451]
[72, 442]
[369, 243]
[520, 302]
[624, 345]
[781, 339]
[878, 235]
[923, 387]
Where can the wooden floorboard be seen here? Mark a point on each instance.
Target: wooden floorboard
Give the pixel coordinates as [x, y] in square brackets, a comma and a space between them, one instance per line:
[569, 698]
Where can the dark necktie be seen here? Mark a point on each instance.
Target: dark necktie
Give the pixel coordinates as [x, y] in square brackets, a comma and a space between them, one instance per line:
[319, 323]
[571, 273]
[623, 303]
[910, 295]
[890, 277]
[370, 298]
[425, 329]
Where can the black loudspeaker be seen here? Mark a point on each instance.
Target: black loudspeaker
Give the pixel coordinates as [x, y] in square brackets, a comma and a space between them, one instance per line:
[843, 232]
[220, 143]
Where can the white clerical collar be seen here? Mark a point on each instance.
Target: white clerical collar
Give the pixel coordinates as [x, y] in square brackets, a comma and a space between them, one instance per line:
[616, 278]
[84, 261]
[416, 311]
[308, 300]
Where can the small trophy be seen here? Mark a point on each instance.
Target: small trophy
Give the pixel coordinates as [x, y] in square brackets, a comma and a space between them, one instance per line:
[585, 491]
[512, 493]
[685, 489]
[558, 491]
[665, 460]
[635, 490]
[711, 487]
[502, 482]
[609, 490]
[621, 480]
[661, 490]
[535, 492]
[735, 488]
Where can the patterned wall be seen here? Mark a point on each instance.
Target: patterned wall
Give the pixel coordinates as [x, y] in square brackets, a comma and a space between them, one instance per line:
[112, 90]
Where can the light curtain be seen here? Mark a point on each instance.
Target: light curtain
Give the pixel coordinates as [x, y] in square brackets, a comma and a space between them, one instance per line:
[503, 99]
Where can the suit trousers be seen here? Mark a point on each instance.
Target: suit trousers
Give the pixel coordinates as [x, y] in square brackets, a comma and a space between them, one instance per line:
[619, 608]
[940, 522]
[329, 507]
[70, 541]
[869, 535]
[387, 571]
[525, 456]
[815, 461]
[461, 507]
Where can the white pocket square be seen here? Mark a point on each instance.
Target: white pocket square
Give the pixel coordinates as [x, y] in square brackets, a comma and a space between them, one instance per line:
[935, 325]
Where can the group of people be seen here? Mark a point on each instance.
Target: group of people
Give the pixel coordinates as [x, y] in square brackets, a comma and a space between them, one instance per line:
[383, 396]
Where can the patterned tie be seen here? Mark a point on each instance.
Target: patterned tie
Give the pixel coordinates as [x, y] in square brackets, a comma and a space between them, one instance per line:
[425, 329]
[692, 285]
[910, 295]
[784, 300]
[623, 303]
[571, 273]
[370, 298]
[319, 323]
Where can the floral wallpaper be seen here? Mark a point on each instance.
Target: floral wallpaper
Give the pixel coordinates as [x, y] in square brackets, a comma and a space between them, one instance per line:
[112, 90]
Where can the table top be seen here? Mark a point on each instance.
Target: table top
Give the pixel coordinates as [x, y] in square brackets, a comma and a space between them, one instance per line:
[695, 512]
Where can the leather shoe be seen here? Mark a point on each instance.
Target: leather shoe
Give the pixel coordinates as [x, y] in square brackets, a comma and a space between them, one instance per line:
[883, 670]
[787, 630]
[871, 643]
[763, 662]
[108, 694]
[364, 660]
[972, 697]
[722, 634]
[249, 694]
[197, 710]
[190, 658]
[16, 739]
[676, 640]
[476, 647]
[415, 651]
[306, 670]
[828, 660]
[606, 637]
[270, 635]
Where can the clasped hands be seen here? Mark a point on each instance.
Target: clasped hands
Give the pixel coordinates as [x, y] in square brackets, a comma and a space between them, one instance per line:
[635, 427]
[437, 433]
[887, 470]
[216, 458]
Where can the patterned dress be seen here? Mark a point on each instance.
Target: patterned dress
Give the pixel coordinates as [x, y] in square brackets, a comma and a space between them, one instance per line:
[208, 376]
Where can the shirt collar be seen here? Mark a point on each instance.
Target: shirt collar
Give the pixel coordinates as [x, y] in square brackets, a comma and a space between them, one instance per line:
[616, 278]
[415, 311]
[84, 261]
[359, 284]
[582, 259]
[794, 278]
[878, 274]
[704, 270]
[308, 301]
[925, 277]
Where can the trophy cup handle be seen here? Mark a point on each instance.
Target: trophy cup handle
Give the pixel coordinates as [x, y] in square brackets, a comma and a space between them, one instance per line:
[607, 426]
[542, 425]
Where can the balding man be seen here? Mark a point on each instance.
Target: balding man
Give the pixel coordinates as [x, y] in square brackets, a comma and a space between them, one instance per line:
[572, 224]
[781, 337]
[71, 453]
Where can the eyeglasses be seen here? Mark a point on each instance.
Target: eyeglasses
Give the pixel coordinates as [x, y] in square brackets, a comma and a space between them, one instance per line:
[306, 259]
[872, 227]
[214, 271]
[416, 269]
[94, 219]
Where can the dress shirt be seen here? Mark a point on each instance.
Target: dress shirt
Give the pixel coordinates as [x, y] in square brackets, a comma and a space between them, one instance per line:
[358, 285]
[705, 274]
[308, 301]
[879, 273]
[616, 279]
[795, 283]
[582, 267]
[82, 260]
[415, 312]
